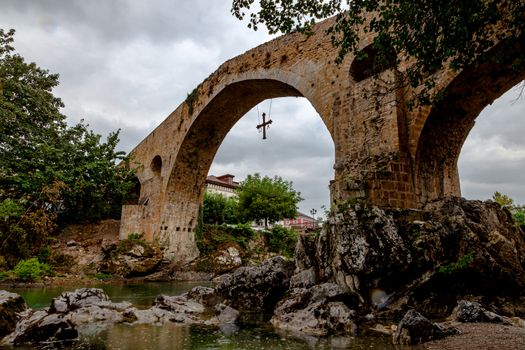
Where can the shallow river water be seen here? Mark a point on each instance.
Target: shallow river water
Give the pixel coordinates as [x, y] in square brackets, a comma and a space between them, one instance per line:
[177, 337]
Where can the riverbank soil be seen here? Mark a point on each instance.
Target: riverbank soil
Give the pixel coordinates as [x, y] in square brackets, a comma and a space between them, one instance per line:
[482, 336]
[85, 242]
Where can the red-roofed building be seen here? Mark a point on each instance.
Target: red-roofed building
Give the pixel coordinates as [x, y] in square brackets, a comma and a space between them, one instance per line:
[223, 184]
[302, 221]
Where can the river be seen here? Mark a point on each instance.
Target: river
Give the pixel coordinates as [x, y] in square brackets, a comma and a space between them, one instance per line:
[177, 337]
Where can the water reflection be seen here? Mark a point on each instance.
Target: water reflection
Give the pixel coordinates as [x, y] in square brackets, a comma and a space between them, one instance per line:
[140, 294]
[254, 335]
[177, 337]
[169, 336]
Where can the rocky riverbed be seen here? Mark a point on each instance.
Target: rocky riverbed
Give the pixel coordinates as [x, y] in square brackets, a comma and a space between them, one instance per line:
[369, 270]
[246, 294]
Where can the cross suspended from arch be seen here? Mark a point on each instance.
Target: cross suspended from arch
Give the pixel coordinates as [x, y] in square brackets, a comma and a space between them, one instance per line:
[264, 125]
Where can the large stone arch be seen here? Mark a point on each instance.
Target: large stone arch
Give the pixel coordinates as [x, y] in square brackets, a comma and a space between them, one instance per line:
[185, 144]
[450, 120]
[184, 188]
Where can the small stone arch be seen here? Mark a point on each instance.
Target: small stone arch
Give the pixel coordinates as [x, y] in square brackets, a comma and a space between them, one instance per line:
[156, 165]
[133, 196]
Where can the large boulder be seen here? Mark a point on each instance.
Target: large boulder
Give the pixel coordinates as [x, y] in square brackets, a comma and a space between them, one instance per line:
[83, 297]
[257, 288]
[89, 309]
[178, 304]
[225, 259]
[47, 328]
[358, 249]
[319, 311]
[10, 305]
[470, 311]
[130, 258]
[463, 248]
[198, 306]
[177, 309]
[414, 329]
[88, 306]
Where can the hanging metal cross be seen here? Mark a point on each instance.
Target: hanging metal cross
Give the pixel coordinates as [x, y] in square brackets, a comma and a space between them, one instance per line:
[264, 125]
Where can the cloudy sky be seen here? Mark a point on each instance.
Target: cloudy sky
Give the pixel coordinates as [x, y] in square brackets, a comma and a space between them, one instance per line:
[128, 64]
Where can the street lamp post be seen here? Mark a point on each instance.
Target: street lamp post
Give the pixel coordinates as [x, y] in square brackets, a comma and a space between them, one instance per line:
[313, 212]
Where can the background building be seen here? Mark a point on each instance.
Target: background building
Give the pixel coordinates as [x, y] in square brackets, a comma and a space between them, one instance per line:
[302, 221]
[223, 184]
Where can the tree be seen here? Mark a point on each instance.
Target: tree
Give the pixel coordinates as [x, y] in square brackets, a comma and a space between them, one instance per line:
[48, 170]
[435, 34]
[266, 199]
[217, 209]
[503, 200]
[517, 211]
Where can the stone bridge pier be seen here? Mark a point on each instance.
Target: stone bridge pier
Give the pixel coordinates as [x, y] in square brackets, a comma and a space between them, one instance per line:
[385, 153]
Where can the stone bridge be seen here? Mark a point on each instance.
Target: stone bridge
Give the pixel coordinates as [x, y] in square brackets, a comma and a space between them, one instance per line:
[385, 153]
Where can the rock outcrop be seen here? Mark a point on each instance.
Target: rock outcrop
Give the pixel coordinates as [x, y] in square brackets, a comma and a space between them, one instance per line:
[424, 259]
[130, 258]
[87, 308]
[257, 288]
[469, 312]
[10, 305]
[319, 311]
[225, 259]
[367, 264]
[414, 329]
[178, 309]
[40, 327]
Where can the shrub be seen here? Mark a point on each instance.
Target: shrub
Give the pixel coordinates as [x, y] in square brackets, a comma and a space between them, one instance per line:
[459, 265]
[31, 269]
[281, 240]
[519, 217]
[102, 276]
[135, 236]
[3, 264]
[215, 235]
[44, 253]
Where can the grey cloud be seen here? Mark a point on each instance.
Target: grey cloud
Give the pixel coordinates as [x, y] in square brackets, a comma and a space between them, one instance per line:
[119, 20]
[495, 173]
[502, 120]
[127, 64]
[475, 190]
[493, 156]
